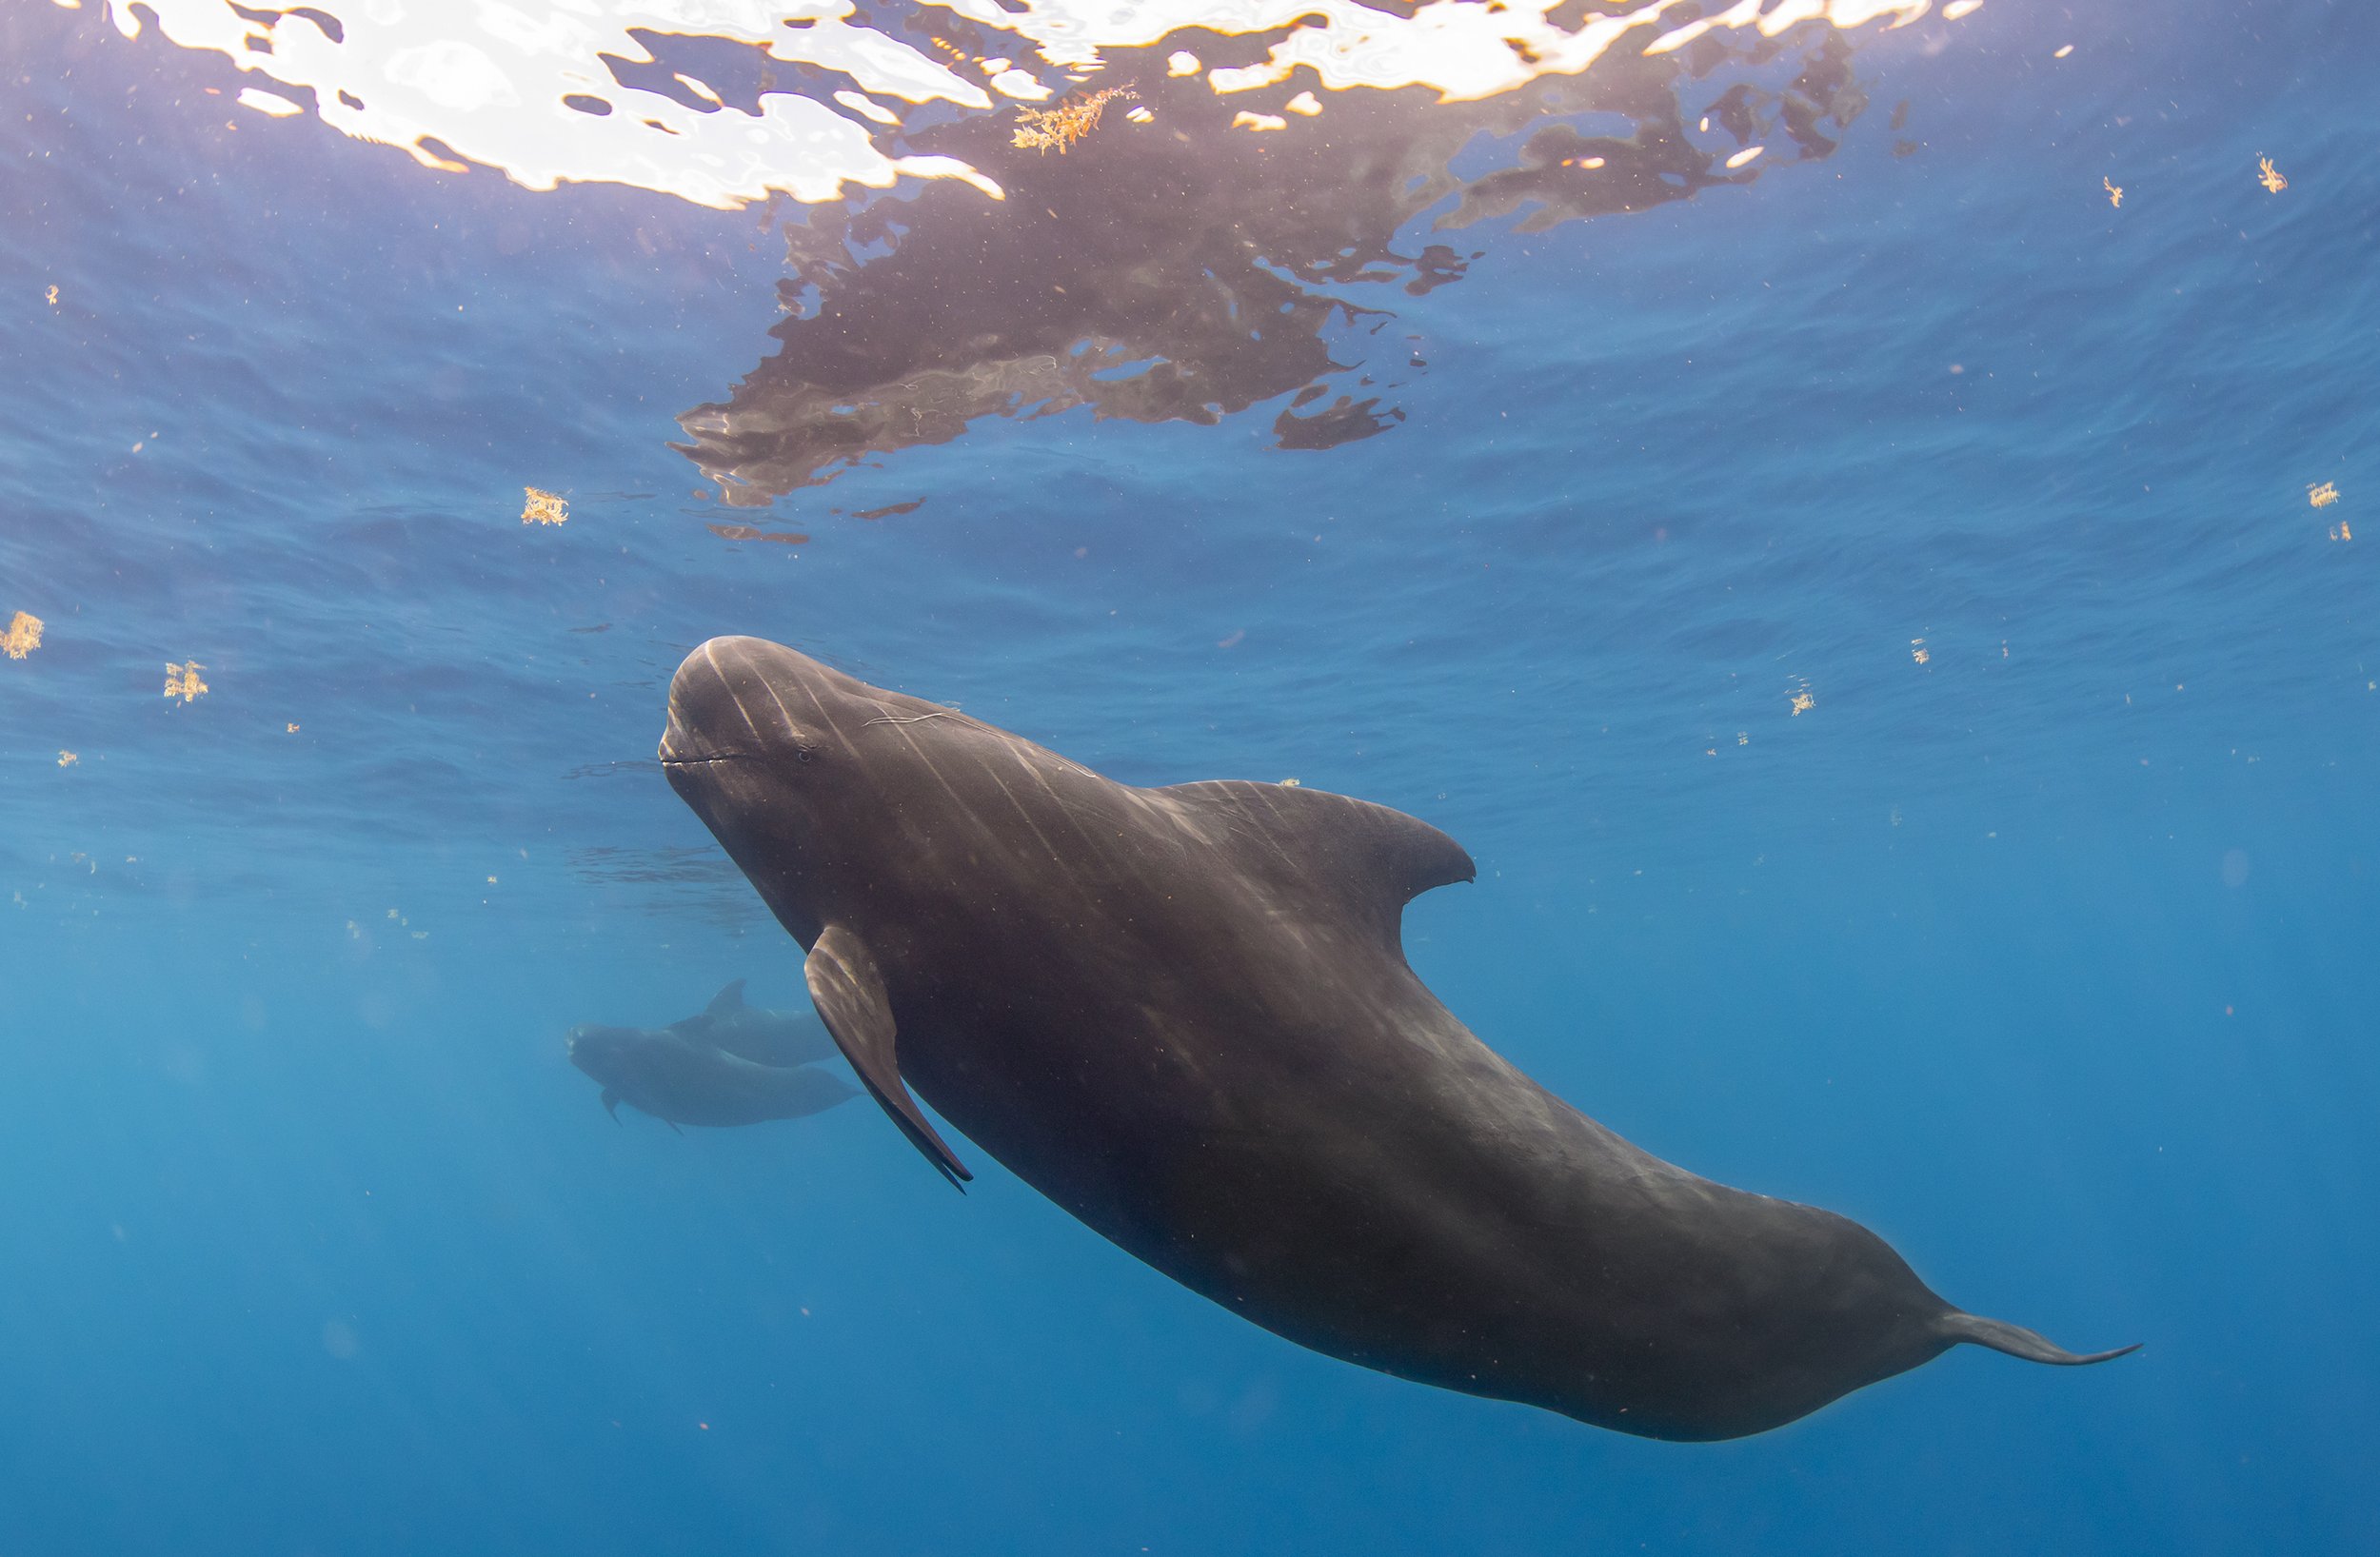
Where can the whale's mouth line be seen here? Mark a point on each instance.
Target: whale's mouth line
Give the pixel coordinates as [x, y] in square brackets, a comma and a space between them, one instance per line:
[710, 760]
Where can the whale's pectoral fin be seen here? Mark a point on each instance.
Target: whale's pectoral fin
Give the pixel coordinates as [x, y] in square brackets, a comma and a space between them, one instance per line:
[851, 1000]
[611, 1104]
[731, 999]
[2019, 1342]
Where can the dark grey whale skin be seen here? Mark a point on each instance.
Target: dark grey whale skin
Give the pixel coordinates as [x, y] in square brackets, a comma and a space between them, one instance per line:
[1185, 1014]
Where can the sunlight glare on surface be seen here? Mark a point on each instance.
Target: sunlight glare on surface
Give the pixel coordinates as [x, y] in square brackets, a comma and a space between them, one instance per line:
[536, 98]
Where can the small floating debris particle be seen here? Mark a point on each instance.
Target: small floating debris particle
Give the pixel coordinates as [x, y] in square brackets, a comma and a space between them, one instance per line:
[1919, 651]
[1059, 128]
[292, 729]
[2320, 495]
[182, 680]
[1305, 103]
[2340, 531]
[2063, 52]
[1290, 783]
[51, 295]
[1745, 155]
[66, 759]
[2116, 191]
[1582, 161]
[23, 637]
[1803, 702]
[2268, 175]
[1258, 122]
[544, 507]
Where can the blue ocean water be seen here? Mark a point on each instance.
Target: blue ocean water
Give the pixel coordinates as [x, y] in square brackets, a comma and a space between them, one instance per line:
[2038, 938]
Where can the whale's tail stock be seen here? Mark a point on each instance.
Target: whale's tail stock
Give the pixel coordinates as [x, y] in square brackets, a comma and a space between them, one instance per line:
[2019, 1342]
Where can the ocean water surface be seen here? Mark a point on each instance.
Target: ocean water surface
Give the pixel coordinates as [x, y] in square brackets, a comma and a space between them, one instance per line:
[1889, 615]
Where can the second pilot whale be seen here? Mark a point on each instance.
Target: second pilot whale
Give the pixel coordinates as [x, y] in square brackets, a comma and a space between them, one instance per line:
[685, 1082]
[730, 1063]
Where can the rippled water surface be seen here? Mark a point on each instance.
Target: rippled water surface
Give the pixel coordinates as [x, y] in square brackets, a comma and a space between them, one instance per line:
[1890, 617]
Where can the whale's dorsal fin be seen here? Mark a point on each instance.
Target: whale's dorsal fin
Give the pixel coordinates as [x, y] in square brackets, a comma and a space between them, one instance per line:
[731, 999]
[851, 1000]
[1369, 858]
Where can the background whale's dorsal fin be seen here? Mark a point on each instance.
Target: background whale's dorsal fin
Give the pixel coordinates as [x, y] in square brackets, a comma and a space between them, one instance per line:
[1368, 858]
[731, 999]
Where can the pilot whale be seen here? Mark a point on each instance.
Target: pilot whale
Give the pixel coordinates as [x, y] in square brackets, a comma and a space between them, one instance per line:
[685, 1082]
[1185, 1014]
[748, 1032]
[729, 1064]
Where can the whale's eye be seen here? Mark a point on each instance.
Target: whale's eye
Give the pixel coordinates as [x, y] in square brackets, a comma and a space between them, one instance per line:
[805, 752]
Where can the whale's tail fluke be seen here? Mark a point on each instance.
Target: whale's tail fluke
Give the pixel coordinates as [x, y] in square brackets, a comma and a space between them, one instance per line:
[2019, 1342]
